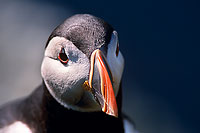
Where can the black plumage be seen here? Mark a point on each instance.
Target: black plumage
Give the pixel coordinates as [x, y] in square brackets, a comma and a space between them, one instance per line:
[43, 114]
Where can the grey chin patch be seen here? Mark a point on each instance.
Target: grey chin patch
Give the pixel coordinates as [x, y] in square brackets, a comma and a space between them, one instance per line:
[83, 102]
[88, 103]
[71, 96]
[64, 95]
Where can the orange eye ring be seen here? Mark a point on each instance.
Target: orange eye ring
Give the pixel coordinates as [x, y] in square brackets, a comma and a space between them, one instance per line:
[63, 57]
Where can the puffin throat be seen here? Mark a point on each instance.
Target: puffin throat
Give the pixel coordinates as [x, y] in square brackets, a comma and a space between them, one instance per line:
[100, 83]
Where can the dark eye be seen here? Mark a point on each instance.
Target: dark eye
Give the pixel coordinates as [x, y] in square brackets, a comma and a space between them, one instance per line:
[117, 49]
[63, 57]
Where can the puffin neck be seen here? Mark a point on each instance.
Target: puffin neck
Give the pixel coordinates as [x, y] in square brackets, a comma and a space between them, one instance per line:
[51, 106]
[53, 117]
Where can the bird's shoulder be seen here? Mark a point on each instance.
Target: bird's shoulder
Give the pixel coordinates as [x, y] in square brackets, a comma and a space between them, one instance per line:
[8, 112]
[17, 113]
[9, 116]
[129, 126]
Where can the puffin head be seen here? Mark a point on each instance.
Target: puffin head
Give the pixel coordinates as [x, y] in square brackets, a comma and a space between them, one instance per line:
[83, 66]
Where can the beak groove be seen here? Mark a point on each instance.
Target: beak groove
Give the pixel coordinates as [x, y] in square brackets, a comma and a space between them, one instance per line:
[101, 84]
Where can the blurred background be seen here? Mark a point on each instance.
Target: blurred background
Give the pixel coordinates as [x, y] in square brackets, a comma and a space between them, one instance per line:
[159, 40]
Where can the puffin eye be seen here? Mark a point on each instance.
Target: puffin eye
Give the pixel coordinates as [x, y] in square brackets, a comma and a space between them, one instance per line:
[117, 49]
[62, 56]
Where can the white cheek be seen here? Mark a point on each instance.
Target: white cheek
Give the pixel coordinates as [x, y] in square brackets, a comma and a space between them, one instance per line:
[68, 75]
[64, 82]
[116, 63]
[16, 127]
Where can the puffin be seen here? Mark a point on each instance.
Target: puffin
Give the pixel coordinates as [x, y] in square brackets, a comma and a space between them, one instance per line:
[81, 89]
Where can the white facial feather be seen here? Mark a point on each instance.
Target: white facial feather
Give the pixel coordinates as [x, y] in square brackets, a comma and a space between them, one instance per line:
[128, 127]
[116, 63]
[64, 81]
[16, 127]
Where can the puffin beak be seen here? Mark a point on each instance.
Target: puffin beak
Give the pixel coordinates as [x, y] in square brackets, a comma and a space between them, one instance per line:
[100, 80]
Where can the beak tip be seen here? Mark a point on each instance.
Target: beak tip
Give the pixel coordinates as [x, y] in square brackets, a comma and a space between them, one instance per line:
[115, 115]
[112, 111]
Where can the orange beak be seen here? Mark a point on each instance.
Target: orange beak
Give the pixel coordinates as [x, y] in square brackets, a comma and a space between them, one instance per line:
[100, 81]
